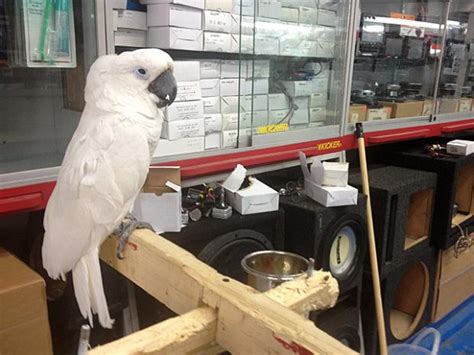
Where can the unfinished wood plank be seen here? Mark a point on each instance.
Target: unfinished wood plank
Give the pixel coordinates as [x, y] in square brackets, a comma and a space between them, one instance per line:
[182, 282]
[179, 335]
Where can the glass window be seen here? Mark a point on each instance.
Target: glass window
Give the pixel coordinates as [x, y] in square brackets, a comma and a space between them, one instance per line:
[46, 49]
[457, 73]
[397, 54]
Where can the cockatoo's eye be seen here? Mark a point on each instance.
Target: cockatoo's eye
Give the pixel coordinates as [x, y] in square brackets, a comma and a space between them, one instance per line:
[141, 73]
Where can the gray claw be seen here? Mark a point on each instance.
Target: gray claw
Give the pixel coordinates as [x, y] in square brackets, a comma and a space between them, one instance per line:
[125, 230]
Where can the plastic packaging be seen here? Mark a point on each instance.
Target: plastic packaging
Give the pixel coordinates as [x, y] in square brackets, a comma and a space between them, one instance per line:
[414, 348]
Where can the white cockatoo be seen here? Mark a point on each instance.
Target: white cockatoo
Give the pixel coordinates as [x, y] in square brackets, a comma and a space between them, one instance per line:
[105, 167]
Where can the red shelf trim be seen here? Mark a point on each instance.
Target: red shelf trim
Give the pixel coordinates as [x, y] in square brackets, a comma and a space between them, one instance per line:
[13, 200]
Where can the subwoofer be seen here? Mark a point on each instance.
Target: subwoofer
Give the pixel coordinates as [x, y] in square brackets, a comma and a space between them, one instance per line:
[335, 237]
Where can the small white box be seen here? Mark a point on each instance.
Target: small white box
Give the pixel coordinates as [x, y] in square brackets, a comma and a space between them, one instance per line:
[230, 87]
[317, 114]
[258, 69]
[210, 69]
[175, 38]
[327, 18]
[308, 15]
[259, 118]
[460, 147]
[174, 16]
[181, 146]
[212, 141]
[377, 114]
[328, 196]
[267, 45]
[186, 70]
[217, 42]
[174, 130]
[256, 198]
[278, 116]
[241, 43]
[211, 104]
[246, 10]
[230, 104]
[278, 102]
[132, 20]
[198, 4]
[269, 8]
[210, 87]
[245, 137]
[219, 5]
[213, 123]
[260, 102]
[328, 4]
[230, 121]
[318, 99]
[320, 84]
[298, 88]
[247, 24]
[289, 14]
[324, 33]
[300, 117]
[257, 86]
[325, 49]
[130, 38]
[229, 138]
[230, 69]
[215, 21]
[119, 4]
[186, 110]
[188, 91]
[335, 174]
[301, 102]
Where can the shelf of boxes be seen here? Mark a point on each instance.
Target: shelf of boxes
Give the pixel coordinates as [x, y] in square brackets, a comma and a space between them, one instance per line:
[222, 102]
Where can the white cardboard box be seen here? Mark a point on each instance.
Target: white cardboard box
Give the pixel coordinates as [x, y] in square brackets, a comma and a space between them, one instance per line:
[229, 138]
[269, 8]
[210, 87]
[242, 43]
[320, 84]
[327, 18]
[215, 21]
[278, 102]
[317, 114]
[213, 123]
[308, 15]
[230, 104]
[325, 49]
[335, 174]
[257, 86]
[230, 121]
[328, 196]
[230, 87]
[181, 146]
[217, 42]
[247, 24]
[199, 4]
[186, 110]
[186, 70]
[260, 102]
[132, 20]
[210, 69]
[318, 99]
[175, 38]
[174, 130]
[211, 104]
[300, 117]
[307, 3]
[188, 91]
[277, 116]
[230, 69]
[174, 16]
[460, 147]
[298, 88]
[256, 198]
[267, 45]
[119, 4]
[259, 118]
[258, 69]
[212, 141]
[219, 5]
[130, 38]
[301, 101]
[289, 14]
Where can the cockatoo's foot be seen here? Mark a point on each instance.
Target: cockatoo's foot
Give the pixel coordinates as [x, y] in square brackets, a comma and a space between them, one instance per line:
[125, 230]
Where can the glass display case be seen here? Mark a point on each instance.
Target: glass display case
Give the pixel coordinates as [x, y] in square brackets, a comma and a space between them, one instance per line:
[45, 52]
[456, 83]
[266, 72]
[397, 58]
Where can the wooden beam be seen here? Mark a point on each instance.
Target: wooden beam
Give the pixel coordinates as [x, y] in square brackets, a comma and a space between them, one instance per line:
[247, 320]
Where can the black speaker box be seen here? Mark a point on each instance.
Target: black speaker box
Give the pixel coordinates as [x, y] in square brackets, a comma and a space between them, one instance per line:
[336, 237]
[448, 170]
[342, 321]
[402, 212]
[407, 295]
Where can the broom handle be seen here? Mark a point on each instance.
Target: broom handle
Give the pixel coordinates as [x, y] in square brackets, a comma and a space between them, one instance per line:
[372, 249]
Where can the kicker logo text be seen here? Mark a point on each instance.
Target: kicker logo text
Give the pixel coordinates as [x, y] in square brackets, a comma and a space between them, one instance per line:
[329, 145]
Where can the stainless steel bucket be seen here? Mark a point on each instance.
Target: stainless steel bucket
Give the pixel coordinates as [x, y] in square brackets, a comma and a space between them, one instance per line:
[269, 268]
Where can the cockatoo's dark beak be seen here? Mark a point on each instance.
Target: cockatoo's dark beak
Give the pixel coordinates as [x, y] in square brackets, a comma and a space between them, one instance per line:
[165, 88]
